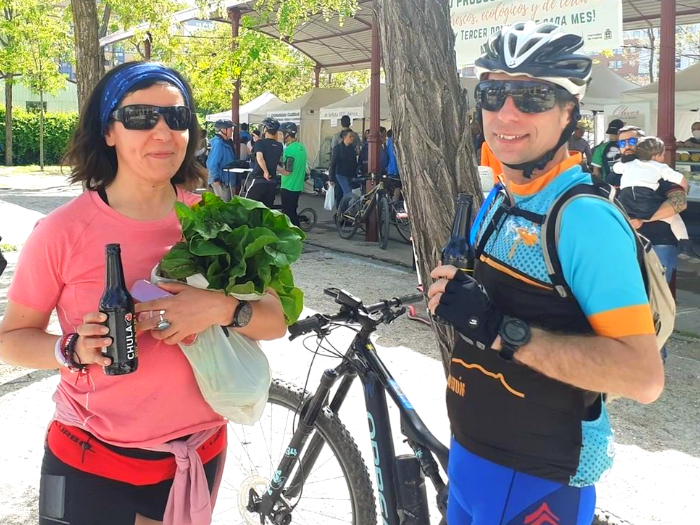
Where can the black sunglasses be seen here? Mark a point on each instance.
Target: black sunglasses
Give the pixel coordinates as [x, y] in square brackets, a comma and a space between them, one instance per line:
[529, 96]
[142, 116]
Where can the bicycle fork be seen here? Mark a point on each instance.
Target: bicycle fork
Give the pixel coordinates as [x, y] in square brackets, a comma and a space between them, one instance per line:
[265, 505]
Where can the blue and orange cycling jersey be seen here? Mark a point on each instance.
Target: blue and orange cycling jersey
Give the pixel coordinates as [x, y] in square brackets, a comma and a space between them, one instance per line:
[508, 413]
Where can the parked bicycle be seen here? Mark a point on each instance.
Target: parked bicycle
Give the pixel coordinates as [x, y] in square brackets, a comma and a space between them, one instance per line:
[353, 211]
[312, 472]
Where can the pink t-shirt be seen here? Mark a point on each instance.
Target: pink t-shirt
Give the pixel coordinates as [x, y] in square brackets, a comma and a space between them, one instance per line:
[62, 266]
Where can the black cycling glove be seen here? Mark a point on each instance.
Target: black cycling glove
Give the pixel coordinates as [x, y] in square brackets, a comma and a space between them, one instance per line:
[468, 309]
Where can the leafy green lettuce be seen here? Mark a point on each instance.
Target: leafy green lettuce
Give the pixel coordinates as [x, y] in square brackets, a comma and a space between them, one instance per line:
[241, 247]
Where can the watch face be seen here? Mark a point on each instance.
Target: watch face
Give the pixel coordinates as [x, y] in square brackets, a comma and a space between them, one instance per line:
[244, 314]
[516, 331]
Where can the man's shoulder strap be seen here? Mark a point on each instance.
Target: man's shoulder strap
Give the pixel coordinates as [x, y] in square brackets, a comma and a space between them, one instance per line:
[552, 227]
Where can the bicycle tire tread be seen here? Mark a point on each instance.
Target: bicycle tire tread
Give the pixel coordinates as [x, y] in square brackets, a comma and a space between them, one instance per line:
[345, 448]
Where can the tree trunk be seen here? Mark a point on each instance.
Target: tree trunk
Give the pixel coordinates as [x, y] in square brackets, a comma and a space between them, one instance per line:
[9, 82]
[41, 130]
[429, 114]
[104, 27]
[89, 68]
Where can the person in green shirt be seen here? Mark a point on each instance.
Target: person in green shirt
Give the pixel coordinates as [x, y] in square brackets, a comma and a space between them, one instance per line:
[293, 171]
[606, 154]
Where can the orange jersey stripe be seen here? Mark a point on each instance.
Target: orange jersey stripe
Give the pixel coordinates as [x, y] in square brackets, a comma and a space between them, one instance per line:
[513, 274]
[498, 376]
[541, 181]
[621, 322]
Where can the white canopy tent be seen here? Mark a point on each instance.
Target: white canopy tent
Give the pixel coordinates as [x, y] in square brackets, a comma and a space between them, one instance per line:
[687, 90]
[263, 103]
[687, 101]
[305, 112]
[606, 88]
[357, 106]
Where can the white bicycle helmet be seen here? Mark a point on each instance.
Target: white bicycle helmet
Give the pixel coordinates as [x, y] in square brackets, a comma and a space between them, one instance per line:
[541, 51]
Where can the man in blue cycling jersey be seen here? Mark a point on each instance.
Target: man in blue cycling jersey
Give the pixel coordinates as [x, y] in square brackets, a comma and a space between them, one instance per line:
[531, 434]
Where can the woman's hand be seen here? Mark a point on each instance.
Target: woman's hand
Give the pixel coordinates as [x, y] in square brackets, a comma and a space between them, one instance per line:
[445, 274]
[190, 311]
[92, 340]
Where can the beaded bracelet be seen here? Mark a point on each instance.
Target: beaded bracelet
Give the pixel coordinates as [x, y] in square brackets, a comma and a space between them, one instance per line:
[68, 342]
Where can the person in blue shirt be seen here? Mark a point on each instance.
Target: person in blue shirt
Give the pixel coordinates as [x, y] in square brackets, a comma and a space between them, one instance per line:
[221, 155]
[530, 364]
[244, 134]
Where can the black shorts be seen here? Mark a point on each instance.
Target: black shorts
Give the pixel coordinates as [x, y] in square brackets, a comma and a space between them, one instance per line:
[70, 496]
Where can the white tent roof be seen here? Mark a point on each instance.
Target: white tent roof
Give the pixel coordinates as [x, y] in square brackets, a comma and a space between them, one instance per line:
[266, 101]
[308, 105]
[605, 89]
[357, 106]
[687, 90]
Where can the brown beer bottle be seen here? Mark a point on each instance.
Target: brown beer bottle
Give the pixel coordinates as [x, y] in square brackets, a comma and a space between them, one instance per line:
[118, 304]
[457, 251]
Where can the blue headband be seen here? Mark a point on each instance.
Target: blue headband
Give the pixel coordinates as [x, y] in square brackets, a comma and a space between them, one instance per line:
[122, 82]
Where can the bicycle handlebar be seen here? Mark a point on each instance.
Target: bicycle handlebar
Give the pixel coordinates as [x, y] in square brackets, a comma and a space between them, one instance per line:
[317, 322]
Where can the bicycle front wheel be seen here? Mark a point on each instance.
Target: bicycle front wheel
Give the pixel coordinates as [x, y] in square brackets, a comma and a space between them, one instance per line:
[383, 222]
[348, 216]
[337, 487]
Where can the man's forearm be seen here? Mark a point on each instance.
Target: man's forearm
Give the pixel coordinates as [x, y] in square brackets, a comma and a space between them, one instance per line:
[598, 364]
[675, 204]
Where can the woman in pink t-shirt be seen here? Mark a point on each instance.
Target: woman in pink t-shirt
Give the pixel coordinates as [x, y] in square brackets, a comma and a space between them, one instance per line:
[117, 443]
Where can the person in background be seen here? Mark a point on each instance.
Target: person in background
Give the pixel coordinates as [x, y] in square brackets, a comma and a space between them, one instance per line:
[394, 182]
[222, 155]
[345, 126]
[202, 147]
[578, 143]
[694, 141]
[109, 453]
[244, 133]
[363, 159]
[268, 152]
[293, 171]
[606, 154]
[343, 164]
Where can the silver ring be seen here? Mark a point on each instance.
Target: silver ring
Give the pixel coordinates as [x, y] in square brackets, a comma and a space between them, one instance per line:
[163, 323]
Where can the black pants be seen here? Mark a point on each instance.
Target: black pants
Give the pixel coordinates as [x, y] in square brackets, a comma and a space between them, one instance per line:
[70, 496]
[262, 190]
[290, 202]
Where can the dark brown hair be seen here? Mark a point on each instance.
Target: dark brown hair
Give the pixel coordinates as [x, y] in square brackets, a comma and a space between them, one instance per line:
[94, 163]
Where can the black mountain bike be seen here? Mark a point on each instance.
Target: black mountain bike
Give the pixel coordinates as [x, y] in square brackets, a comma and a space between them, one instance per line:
[299, 464]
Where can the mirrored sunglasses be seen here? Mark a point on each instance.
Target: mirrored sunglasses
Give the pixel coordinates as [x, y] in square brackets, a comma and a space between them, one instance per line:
[632, 141]
[143, 117]
[528, 96]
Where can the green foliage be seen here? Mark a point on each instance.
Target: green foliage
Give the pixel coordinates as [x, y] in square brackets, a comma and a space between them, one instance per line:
[241, 247]
[59, 128]
[289, 14]
[263, 63]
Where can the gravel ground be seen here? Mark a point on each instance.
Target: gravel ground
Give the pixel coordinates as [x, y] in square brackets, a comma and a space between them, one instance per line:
[657, 446]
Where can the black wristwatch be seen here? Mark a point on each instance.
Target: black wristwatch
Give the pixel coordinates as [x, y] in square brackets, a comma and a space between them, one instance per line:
[242, 315]
[515, 333]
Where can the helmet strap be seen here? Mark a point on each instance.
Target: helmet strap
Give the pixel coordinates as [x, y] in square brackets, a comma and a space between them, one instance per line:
[539, 164]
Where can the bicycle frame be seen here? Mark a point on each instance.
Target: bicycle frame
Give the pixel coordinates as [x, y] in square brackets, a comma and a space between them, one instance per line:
[376, 381]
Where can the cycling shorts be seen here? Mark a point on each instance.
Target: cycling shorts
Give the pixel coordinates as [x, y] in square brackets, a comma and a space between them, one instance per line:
[485, 493]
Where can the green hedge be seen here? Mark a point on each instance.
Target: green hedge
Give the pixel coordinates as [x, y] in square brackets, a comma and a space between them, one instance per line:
[25, 136]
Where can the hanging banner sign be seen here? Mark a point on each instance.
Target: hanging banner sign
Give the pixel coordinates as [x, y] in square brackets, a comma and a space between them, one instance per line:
[632, 114]
[292, 115]
[353, 113]
[599, 22]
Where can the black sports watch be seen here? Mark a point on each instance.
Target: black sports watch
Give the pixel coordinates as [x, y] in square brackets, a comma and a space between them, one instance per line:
[515, 333]
[242, 315]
